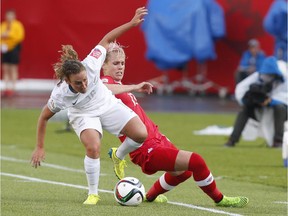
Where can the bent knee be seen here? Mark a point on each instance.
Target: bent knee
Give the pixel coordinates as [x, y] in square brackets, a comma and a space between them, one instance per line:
[141, 135]
[136, 130]
[182, 160]
[93, 151]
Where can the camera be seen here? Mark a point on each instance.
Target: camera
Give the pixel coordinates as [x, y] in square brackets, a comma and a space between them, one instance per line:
[257, 94]
[261, 88]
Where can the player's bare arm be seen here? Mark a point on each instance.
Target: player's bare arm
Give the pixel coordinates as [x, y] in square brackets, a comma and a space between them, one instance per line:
[143, 87]
[39, 154]
[115, 33]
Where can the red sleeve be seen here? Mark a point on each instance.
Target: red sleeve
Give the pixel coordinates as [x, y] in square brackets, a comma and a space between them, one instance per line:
[127, 98]
[131, 101]
[108, 80]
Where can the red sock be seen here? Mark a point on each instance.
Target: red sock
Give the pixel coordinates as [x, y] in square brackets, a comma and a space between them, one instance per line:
[204, 178]
[165, 183]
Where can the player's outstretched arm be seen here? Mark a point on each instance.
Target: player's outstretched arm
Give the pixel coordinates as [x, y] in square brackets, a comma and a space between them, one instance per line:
[115, 33]
[143, 87]
[39, 154]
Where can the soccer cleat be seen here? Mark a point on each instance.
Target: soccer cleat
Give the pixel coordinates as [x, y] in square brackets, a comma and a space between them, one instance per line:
[237, 202]
[159, 199]
[119, 164]
[92, 199]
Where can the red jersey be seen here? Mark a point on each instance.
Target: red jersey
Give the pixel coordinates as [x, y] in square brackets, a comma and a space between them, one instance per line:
[130, 100]
[157, 152]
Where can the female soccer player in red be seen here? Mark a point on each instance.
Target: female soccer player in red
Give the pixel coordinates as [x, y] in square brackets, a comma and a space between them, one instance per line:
[157, 153]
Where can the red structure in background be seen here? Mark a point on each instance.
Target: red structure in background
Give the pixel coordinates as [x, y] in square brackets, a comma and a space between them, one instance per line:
[51, 23]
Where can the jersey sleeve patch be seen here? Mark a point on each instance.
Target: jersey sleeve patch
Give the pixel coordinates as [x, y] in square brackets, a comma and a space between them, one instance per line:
[96, 53]
[52, 106]
[105, 80]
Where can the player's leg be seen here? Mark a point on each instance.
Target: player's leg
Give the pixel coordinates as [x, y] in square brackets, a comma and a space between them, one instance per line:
[122, 120]
[180, 160]
[162, 157]
[136, 134]
[91, 140]
[90, 134]
[165, 183]
[192, 161]
[165, 157]
[205, 180]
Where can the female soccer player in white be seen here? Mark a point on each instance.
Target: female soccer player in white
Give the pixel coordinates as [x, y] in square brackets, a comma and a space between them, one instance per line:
[91, 107]
[157, 153]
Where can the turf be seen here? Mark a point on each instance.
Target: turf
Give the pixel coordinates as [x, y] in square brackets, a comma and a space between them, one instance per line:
[250, 169]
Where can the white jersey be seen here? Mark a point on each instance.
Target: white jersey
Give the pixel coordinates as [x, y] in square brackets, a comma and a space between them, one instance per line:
[98, 97]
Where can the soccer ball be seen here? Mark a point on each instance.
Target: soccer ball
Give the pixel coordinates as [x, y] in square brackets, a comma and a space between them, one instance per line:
[129, 191]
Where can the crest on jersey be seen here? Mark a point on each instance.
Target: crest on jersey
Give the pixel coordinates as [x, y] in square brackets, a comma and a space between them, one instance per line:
[105, 80]
[52, 104]
[96, 53]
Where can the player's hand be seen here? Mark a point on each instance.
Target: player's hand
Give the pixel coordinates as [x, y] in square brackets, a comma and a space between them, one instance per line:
[37, 157]
[138, 17]
[144, 87]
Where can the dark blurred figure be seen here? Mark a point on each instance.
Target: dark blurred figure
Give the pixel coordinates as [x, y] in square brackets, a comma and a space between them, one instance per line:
[275, 22]
[12, 35]
[260, 92]
[251, 61]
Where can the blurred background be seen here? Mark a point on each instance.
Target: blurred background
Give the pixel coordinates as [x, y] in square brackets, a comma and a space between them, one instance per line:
[251, 169]
[51, 23]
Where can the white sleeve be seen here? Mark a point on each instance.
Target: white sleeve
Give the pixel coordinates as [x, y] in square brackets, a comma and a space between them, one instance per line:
[52, 105]
[95, 59]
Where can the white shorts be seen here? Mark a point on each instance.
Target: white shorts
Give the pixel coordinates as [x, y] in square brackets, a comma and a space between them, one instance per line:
[113, 120]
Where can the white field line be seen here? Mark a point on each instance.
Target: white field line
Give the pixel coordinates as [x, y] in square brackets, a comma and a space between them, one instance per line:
[70, 169]
[107, 191]
[103, 174]
[281, 202]
[203, 209]
[54, 166]
[50, 182]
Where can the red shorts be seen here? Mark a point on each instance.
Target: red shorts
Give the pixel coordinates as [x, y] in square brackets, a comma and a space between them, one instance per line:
[156, 154]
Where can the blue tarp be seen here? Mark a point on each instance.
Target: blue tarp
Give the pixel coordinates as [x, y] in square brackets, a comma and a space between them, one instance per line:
[275, 22]
[178, 31]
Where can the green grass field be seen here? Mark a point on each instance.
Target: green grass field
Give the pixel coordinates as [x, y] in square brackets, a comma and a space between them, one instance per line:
[59, 186]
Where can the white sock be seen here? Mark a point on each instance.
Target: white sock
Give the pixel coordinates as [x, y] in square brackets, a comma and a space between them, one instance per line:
[92, 169]
[126, 147]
